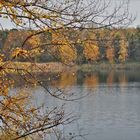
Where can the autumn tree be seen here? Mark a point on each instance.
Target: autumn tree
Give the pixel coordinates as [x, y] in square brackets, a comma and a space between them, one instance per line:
[64, 48]
[123, 52]
[110, 50]
[41, 16]
[91, 51]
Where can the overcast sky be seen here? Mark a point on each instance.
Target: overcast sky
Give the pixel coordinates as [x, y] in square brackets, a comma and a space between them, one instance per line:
[134, 9]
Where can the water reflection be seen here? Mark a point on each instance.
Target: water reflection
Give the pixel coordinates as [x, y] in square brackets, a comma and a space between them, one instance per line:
[90, 79]
[110, 78]
[111, 113]
[93, 79]
[123, 81]
[66, 79]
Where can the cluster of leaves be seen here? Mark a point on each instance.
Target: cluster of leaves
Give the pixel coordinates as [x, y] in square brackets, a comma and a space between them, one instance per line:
[20, 119]
[91, 51]
[19, 52]
[123, 53]
[65, 49]
[1, 57]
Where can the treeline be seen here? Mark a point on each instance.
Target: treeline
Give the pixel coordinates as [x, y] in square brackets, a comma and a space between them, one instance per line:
[73, 45]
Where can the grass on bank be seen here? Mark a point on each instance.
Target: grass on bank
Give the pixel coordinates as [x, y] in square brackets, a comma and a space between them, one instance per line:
[108, 66]
[59, 67]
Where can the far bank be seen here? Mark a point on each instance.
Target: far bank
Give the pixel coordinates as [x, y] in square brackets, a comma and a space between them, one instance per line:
[59, 67]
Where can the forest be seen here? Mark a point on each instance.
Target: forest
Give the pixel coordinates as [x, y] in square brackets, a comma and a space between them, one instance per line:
[80, 46]
[40, 104]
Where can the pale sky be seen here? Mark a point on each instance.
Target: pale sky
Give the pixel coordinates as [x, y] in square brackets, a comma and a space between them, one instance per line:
[134, 7]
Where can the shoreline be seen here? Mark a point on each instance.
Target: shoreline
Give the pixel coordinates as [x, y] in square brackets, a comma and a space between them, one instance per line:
[59, 67]
[131, 66]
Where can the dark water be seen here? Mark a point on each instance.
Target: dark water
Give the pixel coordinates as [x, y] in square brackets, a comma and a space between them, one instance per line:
[111, 111]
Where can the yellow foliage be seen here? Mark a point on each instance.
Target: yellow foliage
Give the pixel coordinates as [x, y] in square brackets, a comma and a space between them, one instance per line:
[123, 52]
[91, 51]
[66, 51]
[34, 41]
[1, 57]
[19, 52]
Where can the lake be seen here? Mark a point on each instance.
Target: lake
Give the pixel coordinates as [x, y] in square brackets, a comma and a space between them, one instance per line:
[109, 111]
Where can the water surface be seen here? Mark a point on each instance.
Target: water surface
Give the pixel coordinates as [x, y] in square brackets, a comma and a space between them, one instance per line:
[111, 111]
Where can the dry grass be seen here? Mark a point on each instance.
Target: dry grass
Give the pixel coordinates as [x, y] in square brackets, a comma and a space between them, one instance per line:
[59, 67]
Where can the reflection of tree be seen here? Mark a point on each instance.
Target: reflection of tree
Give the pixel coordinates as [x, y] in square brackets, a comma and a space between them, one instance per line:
[92, 80]
[110, 78]
[123, 80]
[80, 77]
[67, 79]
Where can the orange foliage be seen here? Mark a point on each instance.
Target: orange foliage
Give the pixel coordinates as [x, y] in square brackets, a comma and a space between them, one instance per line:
[123, 52]
[66, 51]
[91, 51]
